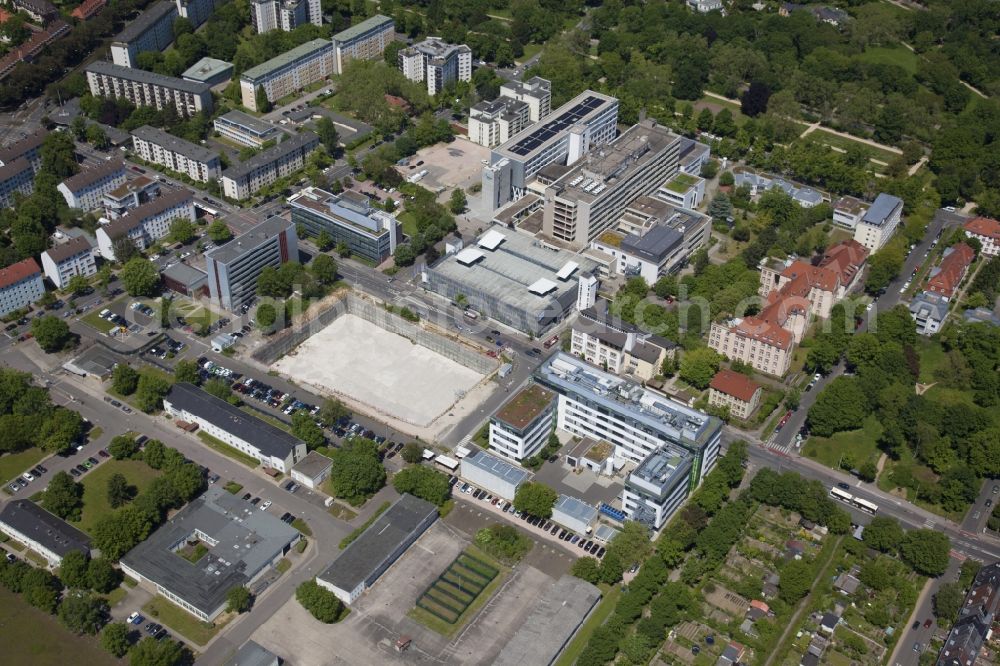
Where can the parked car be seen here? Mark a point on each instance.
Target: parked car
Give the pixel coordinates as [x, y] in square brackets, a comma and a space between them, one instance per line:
[246, 497]
[263, 507]
[135, 618]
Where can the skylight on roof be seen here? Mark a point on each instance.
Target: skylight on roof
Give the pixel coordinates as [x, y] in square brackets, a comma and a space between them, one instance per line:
[542, 286]
[491, 240]
[469, 256]
[567, 270]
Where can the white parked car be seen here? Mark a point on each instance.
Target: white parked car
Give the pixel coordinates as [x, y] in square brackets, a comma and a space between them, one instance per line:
[263, 507]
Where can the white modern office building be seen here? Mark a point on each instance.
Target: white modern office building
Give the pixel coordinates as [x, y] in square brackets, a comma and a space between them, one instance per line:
[436, 63]
[655, 489]
[492, 474]
[145, 224]
[143, 88]
[520, 103]
[158, 147]
[245, 130]
[86, 190]
[287, 73]
[20, 286]
[244, 179]
[879, 222]
[233, 268]
[365, 41]
[587, 121]
[521, 427]
[260, 440]
[62, 262]
[348, 218]
[153, 30]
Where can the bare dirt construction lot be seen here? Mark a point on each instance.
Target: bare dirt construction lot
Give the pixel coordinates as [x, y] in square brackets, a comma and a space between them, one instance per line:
[387, 372]
[378, 618]
[449, 165]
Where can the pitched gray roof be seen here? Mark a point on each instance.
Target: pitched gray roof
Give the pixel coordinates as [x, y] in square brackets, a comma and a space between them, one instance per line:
[286, 147]
[43, 527]
[87, 177]
[145, 21]
[69, 249]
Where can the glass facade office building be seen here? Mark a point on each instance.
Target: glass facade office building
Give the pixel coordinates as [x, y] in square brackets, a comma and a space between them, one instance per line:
[347, 218]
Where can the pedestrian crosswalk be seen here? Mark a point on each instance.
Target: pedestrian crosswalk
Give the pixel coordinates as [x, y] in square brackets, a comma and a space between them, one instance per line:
[467, 439]
[772, 444]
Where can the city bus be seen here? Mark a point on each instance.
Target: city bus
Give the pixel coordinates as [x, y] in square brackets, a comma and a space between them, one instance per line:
[866, 506]
[838, 494]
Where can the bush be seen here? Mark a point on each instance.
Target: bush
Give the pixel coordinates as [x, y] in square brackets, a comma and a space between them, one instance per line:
[503, 542]
[320, 602]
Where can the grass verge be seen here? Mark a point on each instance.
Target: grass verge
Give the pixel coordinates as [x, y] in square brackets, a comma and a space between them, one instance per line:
[284, 565]
[858, 446]
[13, 464]
[597, 617]
[227, 450]
[181, 621]
[301, 526]
[232, 487]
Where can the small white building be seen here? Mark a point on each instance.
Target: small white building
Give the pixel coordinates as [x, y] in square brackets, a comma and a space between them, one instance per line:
[683, 190]
[574, 514]
[492, 474]
[48, 535]
[222, 342]
[62, 262]
[312, 470]
[20, 285]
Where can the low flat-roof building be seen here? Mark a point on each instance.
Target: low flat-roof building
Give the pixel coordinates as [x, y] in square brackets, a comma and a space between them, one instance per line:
[348, 218]
[86, 190]
[185, 280]
[252, 654]
[848, 211]
[258, 439]
[209, 71]
[574, 514]
[512, 278]
[521, 427]
[20, 285]
[385, 540]
[493, 474]
[245, 130]
[48, 535]
[240, 542]
[312, 470]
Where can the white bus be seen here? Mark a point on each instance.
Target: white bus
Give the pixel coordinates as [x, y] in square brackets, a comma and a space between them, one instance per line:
[866, 506]
[838, 494]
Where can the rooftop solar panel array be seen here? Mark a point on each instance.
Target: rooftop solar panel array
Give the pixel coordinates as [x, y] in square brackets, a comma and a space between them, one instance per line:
[556, 125]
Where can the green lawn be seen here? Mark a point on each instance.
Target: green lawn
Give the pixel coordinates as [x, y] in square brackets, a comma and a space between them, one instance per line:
[932, 357]
[116, 596]
[844, 143]
[95, 487]
[896, 55]
[409, 223]
[94, 321]
[30, 636]
[227, 450]
[858, 444]
[596, 619]
[15, 464]
[530, 50]
[178, 619]
[681, 183]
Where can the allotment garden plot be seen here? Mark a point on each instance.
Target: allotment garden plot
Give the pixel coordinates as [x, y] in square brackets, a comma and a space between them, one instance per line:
[454, 591]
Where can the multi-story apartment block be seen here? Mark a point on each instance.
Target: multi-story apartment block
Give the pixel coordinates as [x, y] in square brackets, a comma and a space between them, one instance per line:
[945, 277]
[987, 231]
[736, 392]
[618, 346]
[848, 211]
[437, 63]
[289, 72]
[536, 92]
[15, 176]
[62, 262]
[519, 105]
[143, 88]
[245, 130]
[86, 189]
[521, 427]
[364, 41]
[132, 194]
[348, 218]
[286, 15]
[196, 162]
[146, 224]
[20, 286]
[879, 222]
[655, 489]
[241, 181]
[28, 147]
[587, 199]
[974, 628]
[652, 238]
[755, 340]
[585, 122]
[197, 11]
[233, 268]
[153, 30]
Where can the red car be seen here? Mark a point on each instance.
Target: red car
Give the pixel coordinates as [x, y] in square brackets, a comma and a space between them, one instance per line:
[784, 419]
[928, 622]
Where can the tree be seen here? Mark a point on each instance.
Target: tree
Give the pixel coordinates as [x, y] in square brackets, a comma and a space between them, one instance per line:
[63, 497]
[324, 269]
[58, 155]
[78, 285]
[588, 569]
[266, 316]
[124, 250]
[305, 428]
[124, 379]
[51, 333]
[83, 613]
[343, 249]
[926, 551]
[883, 533]
[261, 101]
[60, 430]
[754, 101]
[181, 231]
[423, 482]
[328, 136]
[119, 490]
[840, 406]
[140, 277]
[102, 577]
[412, 453]
[186, 371]
[320, 602]
[115, 640]
[151, 652]
[796, 579]
[97, 137]
[948, 602]
[883, 267]
[150, 391]
[73, 569]
[333, 411]
[535, 499]
[238, 600]
[698, 366]
[123, 447]
[357, 472]
[324, 241]
[219, 232]
[457, 202]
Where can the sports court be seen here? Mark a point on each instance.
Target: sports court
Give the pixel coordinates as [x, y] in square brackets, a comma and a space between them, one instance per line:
[361, 361]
